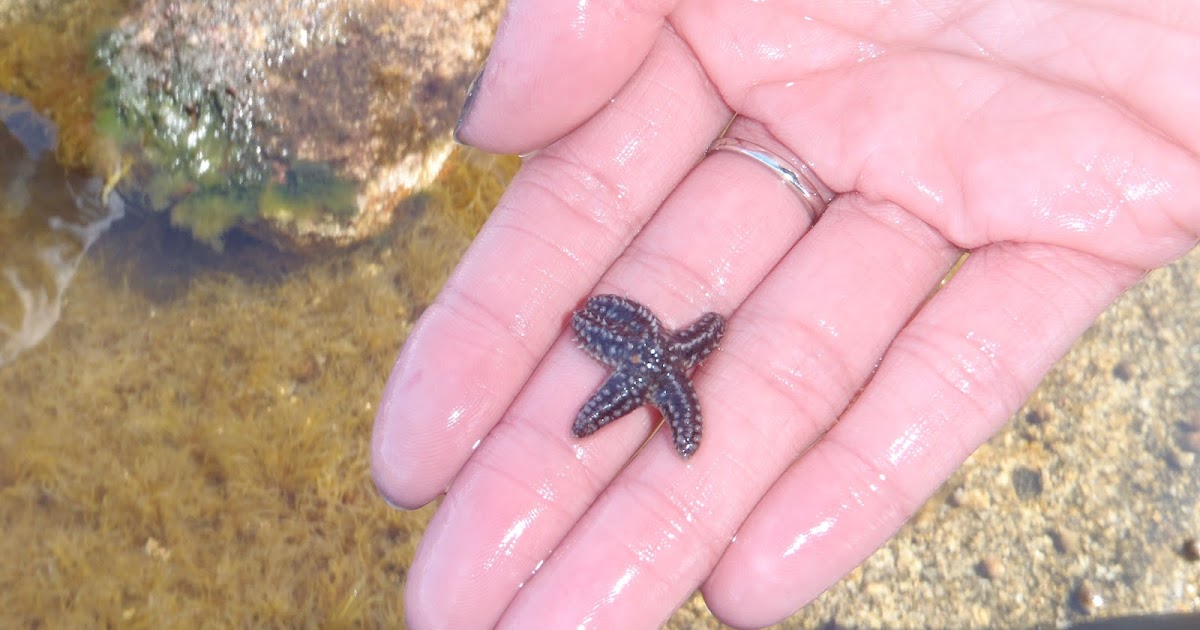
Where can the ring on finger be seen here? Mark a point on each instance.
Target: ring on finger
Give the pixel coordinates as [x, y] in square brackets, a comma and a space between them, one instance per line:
[798, 175]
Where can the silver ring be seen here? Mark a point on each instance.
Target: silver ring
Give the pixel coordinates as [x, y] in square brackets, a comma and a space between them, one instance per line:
[813, 192]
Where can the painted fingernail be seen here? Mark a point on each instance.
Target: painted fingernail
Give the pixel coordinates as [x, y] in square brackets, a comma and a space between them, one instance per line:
[470, 100]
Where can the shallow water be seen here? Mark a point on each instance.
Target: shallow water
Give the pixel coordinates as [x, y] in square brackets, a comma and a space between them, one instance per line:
[187, 443]
[49, 218]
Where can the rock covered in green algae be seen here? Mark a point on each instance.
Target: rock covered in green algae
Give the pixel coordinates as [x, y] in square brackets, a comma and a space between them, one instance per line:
[304, 121]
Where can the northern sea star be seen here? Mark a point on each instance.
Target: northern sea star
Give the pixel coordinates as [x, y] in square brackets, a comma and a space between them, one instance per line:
[650, 365]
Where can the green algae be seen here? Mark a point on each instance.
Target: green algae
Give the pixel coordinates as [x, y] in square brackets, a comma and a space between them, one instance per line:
[309, 190]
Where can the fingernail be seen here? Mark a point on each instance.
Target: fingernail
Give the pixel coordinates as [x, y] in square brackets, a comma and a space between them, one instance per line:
[470, 100]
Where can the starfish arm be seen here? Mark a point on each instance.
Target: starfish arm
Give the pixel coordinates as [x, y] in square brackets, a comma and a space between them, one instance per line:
[694, 343]
[676, 399]
[623, 314]
[623, 392]
[604, 343]
[610, 328]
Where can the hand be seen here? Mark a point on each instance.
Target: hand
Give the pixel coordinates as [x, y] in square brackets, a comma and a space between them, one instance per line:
[1055, 143]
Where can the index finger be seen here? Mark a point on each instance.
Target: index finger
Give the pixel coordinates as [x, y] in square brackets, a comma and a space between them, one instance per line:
[553, 65]
[570, 211]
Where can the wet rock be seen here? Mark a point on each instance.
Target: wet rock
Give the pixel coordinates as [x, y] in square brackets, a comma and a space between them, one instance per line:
[305, 122]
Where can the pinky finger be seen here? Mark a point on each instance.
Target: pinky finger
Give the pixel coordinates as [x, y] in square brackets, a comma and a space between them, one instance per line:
[949, 381]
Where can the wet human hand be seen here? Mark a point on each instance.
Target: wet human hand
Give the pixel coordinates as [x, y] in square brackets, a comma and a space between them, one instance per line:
[1055, 143]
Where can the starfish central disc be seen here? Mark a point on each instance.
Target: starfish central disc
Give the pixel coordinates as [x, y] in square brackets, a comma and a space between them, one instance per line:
[650, 365]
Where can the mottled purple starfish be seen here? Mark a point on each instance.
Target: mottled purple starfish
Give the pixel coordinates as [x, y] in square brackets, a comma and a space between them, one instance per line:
[650, 365]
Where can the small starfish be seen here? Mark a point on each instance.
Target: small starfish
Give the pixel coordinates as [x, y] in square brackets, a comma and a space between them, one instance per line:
[650, 365]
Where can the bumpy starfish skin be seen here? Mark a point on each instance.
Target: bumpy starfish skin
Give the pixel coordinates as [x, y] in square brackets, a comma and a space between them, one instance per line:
[650, 365]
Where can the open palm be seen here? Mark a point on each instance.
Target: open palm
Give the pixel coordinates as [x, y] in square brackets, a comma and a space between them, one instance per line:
[1055, 143]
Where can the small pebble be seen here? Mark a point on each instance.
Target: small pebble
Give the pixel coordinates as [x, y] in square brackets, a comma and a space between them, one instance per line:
[989, 567]
[1180, 459]
[1122, 372]
[956, 498]
[1087, 599]
[1190, 550]
[1065, 542]
[1190, 441]
[1027, 482]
